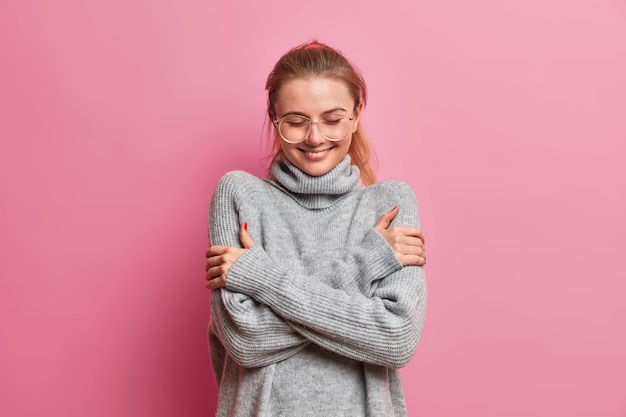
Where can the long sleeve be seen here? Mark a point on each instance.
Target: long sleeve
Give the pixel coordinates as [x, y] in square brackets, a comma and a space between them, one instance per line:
[252, 333]
[381, 328]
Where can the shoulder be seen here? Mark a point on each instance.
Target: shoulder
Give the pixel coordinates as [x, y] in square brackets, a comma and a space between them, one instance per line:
[238, 181]
[393, 189]
[387, 194]
[235, 185]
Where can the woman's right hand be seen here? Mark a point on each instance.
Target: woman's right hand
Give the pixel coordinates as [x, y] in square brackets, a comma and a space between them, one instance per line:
[221, 258]
[407, 241]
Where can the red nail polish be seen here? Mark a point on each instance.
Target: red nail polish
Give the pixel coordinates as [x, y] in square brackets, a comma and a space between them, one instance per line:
[245, 226]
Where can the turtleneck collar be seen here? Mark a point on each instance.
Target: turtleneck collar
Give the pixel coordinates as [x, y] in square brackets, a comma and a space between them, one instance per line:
[316, 192]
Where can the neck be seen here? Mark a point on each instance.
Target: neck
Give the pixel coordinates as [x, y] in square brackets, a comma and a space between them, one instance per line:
[315, 192]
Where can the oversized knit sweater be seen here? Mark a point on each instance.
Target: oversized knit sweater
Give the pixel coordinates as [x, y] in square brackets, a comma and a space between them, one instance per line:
[316, 318]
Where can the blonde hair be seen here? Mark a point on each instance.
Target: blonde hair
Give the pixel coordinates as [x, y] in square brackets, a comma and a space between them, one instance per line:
[315, 59]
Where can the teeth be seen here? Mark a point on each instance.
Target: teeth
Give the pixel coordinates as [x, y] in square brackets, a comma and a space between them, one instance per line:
[320, 153]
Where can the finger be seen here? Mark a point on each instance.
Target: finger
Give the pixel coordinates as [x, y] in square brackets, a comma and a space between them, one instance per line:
[244, 236]
[215, 260]
[414, 241]
[417, 232]
[386, 219]
[420, 261]
[216, 271]
[410, 250]
[409, 231]
[216, 283]
[412, 260]
[216, 250]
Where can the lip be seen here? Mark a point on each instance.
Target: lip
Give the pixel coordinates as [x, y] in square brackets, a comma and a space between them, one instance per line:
[315, 154]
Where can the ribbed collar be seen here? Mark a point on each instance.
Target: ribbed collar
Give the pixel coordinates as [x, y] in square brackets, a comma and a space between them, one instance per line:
[316, 192]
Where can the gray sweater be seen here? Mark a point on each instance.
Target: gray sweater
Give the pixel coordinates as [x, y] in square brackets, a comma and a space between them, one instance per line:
[316, 318]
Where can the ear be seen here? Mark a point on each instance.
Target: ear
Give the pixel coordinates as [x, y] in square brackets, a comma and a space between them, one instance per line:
[357, 117]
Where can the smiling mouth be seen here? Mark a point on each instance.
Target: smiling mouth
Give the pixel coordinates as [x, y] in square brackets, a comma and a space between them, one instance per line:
[315, 155]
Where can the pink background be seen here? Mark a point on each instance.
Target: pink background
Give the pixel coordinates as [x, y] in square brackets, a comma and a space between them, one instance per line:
[117, 119]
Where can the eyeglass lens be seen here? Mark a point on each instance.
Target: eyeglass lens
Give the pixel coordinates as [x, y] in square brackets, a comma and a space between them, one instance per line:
[296, 128]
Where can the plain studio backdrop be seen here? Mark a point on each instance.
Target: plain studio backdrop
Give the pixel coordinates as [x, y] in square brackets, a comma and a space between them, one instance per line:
[117, 119]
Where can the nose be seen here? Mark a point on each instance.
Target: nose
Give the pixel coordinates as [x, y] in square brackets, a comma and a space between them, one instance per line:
[315, 138]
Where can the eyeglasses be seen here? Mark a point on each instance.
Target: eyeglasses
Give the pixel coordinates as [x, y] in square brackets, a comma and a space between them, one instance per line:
[294, 128]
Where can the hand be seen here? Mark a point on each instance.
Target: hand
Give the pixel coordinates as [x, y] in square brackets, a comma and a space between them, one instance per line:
[407, 241]
[221, 258]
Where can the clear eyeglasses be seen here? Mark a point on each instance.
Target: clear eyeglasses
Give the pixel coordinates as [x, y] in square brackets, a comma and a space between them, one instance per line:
[295, 128]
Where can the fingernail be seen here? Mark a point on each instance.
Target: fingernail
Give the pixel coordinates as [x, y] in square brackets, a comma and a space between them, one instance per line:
[245, 226]
[394, 207]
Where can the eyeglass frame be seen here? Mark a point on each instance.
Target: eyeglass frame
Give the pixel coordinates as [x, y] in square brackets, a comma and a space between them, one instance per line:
[277, 123]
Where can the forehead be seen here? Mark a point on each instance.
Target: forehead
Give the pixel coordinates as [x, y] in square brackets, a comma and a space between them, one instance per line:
[313, 96]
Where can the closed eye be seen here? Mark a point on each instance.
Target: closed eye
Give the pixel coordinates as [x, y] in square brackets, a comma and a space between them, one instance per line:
[297, 124]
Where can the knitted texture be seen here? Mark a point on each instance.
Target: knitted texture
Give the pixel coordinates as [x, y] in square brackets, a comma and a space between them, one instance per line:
[316, 318]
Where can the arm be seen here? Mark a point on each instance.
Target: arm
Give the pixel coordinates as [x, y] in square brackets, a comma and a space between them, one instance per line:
[382, 328]
[382, 251]
[251, 332]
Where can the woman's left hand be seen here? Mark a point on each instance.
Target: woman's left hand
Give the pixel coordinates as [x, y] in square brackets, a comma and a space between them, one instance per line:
[407, 242]
[221, 258]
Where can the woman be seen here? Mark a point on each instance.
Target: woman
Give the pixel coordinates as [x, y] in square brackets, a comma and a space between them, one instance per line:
[317, 298]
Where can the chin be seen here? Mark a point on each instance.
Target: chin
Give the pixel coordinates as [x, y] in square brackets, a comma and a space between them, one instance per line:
[316, 172]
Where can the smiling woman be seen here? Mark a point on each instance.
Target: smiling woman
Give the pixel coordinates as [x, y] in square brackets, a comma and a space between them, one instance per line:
[319, 294]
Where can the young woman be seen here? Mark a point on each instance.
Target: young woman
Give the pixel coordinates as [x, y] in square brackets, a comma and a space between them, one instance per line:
[318, 289]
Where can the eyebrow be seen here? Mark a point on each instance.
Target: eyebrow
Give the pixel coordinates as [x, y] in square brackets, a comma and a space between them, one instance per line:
[298, 113]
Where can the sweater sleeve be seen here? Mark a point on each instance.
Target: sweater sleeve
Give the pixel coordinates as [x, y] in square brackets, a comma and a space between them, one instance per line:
[252, 333]
[361, 265]
[381, 327]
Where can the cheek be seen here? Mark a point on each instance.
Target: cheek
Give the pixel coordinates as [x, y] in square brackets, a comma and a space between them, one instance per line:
[285, 147]
[347, 144]
[289, 151]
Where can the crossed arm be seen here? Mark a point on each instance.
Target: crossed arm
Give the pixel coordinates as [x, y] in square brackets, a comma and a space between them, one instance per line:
[263, 312]
[407, 243]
